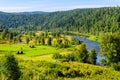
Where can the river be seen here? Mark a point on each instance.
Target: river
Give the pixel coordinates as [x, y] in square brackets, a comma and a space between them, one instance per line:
[90, 45]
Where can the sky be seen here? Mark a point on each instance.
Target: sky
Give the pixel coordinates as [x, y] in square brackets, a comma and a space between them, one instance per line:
[52, 5]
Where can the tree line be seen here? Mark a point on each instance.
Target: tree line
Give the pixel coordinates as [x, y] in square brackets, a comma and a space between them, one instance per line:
[92, 20]
[80, 54]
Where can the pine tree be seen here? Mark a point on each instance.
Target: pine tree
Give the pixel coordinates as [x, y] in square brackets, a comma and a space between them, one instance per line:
[82, 53]
[110, 47]
[92, 57]
[10, 68]
[49, 42]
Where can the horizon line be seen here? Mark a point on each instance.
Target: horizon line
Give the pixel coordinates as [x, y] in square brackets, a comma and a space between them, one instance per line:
[57, 10]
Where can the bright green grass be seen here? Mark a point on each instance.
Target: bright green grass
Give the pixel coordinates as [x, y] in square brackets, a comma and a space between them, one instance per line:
[29, 52]
[93, 38]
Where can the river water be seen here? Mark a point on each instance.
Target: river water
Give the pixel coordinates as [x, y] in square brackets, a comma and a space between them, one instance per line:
[90, 45]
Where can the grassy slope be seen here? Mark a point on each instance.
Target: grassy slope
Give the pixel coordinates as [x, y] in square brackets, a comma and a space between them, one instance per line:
[68, 71]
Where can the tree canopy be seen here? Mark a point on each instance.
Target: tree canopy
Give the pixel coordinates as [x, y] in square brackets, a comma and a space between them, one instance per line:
[92, 20]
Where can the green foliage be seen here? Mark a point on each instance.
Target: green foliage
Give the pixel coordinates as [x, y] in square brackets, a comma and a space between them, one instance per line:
[93, 21]
[70, 57]
[42, 70]
[75, 41]
[49, 42]
[116, 66]
[66, 43]
[8, 34]
[82, 53]
[57, 56]
[62, 43]
[92, 56]
[27, 40]
[43, 41]
[2, 28]
[103, 62]
[4, 33]
[9, 67]
[110, 47]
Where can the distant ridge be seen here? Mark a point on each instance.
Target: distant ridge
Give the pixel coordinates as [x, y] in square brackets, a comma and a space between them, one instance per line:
[34, 12]
[88, 20]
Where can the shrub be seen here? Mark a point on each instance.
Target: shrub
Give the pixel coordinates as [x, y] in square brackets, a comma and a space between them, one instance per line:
[49, 42]
[116, 66]
[10, 68]
[70, 57]
[57, 56]
[20, 52]
[31, 46]
[92, 56]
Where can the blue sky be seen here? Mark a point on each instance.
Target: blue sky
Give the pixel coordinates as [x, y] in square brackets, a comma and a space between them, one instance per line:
[52, 5]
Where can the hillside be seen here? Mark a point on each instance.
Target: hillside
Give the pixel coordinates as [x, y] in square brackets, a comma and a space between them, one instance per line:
[65, 71]
[92, 20]
[30, 13]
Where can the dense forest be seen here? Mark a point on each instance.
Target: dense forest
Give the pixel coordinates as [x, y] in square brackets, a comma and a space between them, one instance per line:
[92, 20]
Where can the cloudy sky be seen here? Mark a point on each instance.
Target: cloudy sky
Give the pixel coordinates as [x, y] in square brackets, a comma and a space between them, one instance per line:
[52, 5]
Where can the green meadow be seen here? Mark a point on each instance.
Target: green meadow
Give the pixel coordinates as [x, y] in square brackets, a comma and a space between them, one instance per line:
[40, 52]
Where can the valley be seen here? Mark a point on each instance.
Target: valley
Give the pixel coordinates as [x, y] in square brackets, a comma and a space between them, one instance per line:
[79, 44]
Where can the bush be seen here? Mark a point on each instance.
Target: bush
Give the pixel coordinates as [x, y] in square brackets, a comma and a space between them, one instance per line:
[49, 42]
[31, 46]
[57, 56]
[92, 56]
[10, 68]
[20, 52]
[70, 57]
[116, 66]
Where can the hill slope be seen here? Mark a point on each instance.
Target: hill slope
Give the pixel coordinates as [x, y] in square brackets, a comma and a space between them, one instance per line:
[82, 20]
[66, 70]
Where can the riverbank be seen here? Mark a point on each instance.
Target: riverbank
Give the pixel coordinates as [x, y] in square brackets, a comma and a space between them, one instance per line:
[88, 36]
[90, 45]
[94, 38]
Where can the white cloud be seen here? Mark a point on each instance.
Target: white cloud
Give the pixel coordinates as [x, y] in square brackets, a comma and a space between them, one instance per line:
[47, 8]
[72, 7]
[114, 0]
[14, 9]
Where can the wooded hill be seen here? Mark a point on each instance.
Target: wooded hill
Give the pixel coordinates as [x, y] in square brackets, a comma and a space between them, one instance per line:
[90, 20]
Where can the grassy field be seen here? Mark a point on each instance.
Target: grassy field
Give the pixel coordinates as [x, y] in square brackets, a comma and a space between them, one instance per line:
[40, 52]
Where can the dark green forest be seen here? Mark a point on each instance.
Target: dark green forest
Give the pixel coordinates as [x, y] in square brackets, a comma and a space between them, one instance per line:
[89, 20]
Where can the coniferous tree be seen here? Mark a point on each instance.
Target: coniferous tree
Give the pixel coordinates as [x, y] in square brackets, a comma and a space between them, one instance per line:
[27, 40]
[82, 53]
[110, 47]
[49, 42]
[10, 68]
[92, 56]
[43, 41]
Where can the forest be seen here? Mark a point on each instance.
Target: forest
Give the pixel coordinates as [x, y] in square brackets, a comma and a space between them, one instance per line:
[93, 20]
[42, 46]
